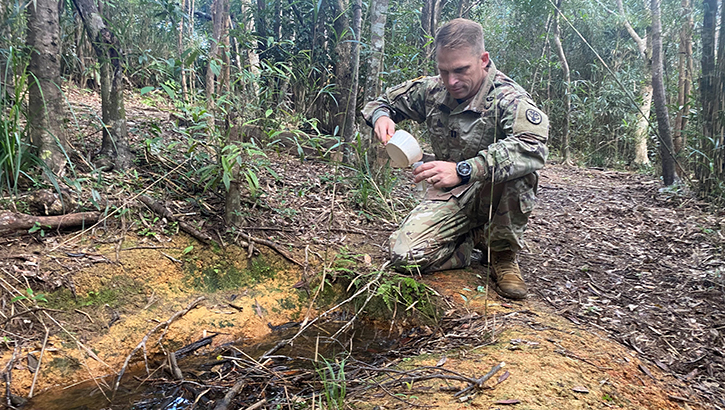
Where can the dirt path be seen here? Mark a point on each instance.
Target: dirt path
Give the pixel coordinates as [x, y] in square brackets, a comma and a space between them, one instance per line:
[614, 252]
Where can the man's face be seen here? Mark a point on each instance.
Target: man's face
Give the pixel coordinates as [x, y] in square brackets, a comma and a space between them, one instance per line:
[462, 71]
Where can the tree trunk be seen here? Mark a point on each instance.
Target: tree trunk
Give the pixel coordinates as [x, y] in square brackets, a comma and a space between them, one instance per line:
[641, 132]
[429, 16]
[718, 131]
[218, 67]
[108, 50]
[566, 152]
[261, 24]
[343, 70]
[45, 104]
[707, 90]
[252, 56]
[180, 51]
[378, 19]
[463, 9]
[373, 83]
[684, 69]
[351, 104]
[659, 97]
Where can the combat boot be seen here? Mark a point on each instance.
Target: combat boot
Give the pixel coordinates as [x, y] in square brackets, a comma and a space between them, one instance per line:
[506, 275]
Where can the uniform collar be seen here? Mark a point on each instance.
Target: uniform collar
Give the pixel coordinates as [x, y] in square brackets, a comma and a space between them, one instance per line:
[478, 102]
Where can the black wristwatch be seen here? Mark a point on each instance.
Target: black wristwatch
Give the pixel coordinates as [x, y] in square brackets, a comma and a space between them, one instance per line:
[463, 169]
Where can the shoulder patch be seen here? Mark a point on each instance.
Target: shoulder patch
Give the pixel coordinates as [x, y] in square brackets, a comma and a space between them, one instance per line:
[530, 119]
[533, 116]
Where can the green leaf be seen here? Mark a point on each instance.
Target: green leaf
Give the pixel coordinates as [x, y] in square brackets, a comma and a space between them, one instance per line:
[215, 67]
[169, 91]
[188, 249]
[268, 112]
[147, 90]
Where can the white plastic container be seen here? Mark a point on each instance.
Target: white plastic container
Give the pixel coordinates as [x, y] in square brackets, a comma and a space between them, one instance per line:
[403, 149]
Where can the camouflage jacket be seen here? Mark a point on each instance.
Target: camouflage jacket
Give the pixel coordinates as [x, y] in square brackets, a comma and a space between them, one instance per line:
[499, 131]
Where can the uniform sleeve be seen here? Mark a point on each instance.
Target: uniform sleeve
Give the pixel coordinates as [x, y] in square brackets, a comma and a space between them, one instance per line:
[401, 102]
[522, 150]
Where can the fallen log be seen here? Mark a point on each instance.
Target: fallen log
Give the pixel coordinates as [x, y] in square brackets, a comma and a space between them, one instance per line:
[14, 221]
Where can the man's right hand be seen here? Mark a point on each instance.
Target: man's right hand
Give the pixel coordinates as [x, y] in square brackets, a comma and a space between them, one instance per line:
[384, 129]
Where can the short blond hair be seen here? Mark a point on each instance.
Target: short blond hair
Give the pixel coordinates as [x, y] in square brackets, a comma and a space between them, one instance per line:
[460, 33]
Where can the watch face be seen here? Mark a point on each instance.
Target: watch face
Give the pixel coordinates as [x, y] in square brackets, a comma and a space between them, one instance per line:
[463, 168]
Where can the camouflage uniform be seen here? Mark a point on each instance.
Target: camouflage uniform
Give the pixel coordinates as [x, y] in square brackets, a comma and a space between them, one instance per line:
[502, 134]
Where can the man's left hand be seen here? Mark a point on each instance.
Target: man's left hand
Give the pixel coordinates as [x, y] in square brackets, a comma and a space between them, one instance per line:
[440, 174]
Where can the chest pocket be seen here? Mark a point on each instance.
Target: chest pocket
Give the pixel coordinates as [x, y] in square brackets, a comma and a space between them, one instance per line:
[439, 128]
[477, 132]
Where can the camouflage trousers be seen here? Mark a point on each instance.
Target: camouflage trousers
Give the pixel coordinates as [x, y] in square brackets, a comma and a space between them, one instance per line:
[438, 234]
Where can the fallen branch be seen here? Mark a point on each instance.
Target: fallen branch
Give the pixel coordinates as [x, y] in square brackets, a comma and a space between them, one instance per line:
[231, 394]
[161, 210]
[15, 221]
[142, 344]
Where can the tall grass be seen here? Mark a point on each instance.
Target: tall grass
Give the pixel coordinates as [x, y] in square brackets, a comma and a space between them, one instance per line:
[16, 156]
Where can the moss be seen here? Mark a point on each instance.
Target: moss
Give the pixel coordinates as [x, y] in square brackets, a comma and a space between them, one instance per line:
[226, 275]
[115, 293]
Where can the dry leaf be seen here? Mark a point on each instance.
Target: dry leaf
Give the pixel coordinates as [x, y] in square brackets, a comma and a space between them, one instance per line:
[504, 376]
[442, 361]
[580, 389]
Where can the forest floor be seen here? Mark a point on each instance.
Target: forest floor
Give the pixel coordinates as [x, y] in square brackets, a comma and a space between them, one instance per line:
[624, 310]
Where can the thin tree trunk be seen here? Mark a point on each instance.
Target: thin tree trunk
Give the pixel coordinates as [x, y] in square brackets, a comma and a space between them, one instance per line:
[378, 19]
[659, 97]
[82, 76]
[225, 52]
[214, 62]
[684, 69]
[351, 104]
[642, 130]
[343, 69]
[108, 50]
[463, 9]
[429, 16]
[718, 131]
[45, 102]
[566, 152]
[252, 56]
[192, 71]
[180, 48]
[707, 91]
[261, 24]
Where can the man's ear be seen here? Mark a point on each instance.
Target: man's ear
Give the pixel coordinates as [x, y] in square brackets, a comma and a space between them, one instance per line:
[484, 59]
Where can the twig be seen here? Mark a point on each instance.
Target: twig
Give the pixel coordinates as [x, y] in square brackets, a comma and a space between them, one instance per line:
[40, 361]
[84, 313]
[161, 210]
[257, 405]
[231, 394]
[142, 344]
[274, 246]
[7, 373]
[33, 310]
[175, 370]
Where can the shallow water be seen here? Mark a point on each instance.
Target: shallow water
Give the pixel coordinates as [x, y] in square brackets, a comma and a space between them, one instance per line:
[368, 344]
